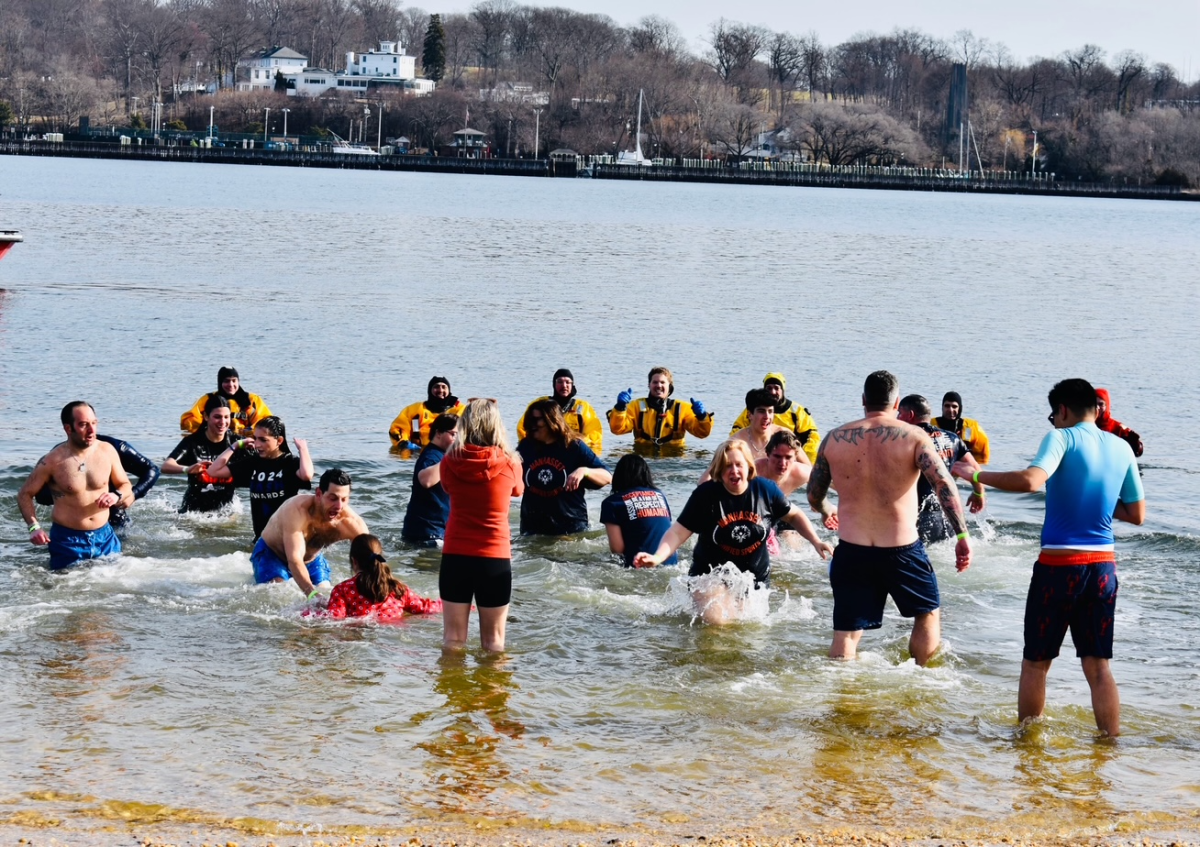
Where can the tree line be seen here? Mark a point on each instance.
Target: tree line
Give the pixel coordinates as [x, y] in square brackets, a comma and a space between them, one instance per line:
[874, 99]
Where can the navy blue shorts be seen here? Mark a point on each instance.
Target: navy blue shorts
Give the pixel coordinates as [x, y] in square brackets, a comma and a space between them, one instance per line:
[1082, 598]
[863, 577]
[68, 546]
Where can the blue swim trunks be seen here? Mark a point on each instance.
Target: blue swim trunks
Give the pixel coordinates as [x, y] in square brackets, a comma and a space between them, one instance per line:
[863, 577]
[68, 546]
[268, 566]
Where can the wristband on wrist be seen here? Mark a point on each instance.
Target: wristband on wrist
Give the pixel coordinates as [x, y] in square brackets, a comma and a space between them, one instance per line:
[313, 594]
[961, 536]
[975, 477]
[35, 527]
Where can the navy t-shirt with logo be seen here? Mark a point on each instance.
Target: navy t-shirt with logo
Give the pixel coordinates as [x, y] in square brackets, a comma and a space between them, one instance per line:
[271, 481]
[643, 517]
[734, 527]
[547, 508]
[201, 495]
[428, 508]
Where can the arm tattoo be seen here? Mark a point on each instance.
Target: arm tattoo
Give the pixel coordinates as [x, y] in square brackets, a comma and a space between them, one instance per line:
[819, 481]
[934, 470]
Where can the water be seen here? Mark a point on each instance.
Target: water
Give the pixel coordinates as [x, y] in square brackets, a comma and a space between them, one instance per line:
[163, 686]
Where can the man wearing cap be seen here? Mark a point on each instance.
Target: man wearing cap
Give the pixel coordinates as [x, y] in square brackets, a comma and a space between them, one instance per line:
[246, 409]
[789, 415]
[410, 429]
[657, 421]
[968, 429]
[579, 414]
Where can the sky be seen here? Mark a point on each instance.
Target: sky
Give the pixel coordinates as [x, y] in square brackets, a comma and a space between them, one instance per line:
[1163, 30]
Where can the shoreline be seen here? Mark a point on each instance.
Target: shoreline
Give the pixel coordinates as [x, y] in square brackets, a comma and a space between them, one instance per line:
[855, 178]
[16, 830]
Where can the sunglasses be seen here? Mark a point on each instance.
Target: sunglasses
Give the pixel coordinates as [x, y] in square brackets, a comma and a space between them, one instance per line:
[1050, 417]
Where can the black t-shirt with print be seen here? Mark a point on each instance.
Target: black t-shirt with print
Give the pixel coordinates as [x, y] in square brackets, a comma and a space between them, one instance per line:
[734, 527]
[271, 481]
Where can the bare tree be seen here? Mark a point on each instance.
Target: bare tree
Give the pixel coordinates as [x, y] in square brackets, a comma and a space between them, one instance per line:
[785, 61]
[164, 36]
[413, 23]
[658, 36]
[735, 49]
[734, 129]
[1130, 68]
[851, 134]
[493, 24]
[379, 20]
[460, 40]
[231, 31]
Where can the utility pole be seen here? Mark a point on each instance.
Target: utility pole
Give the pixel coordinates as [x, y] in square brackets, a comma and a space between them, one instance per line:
[266, 123]
[285, 114]
[537, 132]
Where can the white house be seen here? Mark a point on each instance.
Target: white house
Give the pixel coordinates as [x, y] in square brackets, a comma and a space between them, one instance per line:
[389, 60]
[258, 72]
[311, 82]
[387, 66]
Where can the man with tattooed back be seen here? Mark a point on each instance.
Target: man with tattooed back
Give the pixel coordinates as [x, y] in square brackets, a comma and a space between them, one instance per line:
[874, 463]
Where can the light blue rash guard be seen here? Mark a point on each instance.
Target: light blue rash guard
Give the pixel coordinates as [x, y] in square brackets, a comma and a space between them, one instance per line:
[1089, 471]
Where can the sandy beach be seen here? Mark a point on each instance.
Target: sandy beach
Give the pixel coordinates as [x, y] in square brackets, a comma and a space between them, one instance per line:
[1134, 832]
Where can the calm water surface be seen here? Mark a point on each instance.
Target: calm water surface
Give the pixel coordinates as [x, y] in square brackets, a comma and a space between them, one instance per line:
[165, 680]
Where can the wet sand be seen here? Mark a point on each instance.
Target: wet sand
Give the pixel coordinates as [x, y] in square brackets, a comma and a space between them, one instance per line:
[77, 833]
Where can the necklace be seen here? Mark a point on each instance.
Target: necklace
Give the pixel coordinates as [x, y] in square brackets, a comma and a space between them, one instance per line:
[82, 467]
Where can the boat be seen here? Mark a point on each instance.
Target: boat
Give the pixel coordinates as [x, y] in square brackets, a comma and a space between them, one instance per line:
[9, 237]
[635, 157]
[341, 145]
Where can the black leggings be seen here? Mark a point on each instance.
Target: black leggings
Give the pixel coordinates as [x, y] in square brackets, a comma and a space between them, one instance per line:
[487, 581]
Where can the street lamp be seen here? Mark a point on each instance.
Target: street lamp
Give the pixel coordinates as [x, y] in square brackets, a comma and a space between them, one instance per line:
[266, 120]
[285, 114]
[537, 132]
[210, 122]
[362, 131]
[379, 134]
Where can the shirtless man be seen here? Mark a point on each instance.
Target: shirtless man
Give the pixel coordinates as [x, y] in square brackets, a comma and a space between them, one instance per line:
[762, 426]
[292, 541]
[78, 472]
[874, 464]
[785, 463]
[759, 432]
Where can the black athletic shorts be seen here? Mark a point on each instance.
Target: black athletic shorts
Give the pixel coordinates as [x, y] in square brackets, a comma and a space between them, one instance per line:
[487, 582]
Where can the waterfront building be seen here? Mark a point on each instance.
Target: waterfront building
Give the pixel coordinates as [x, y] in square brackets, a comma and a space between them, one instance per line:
[258, 72]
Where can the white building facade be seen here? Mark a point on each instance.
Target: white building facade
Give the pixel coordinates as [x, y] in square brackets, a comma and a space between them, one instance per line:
[258, 72]
[387, 66]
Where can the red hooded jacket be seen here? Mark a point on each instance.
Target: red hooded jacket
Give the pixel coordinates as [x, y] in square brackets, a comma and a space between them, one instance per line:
[481, 482]
[1108, 423]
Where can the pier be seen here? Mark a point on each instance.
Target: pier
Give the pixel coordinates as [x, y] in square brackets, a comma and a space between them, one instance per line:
[749, 173]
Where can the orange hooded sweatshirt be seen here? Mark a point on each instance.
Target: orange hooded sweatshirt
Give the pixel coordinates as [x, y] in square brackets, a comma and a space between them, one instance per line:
[481, 482]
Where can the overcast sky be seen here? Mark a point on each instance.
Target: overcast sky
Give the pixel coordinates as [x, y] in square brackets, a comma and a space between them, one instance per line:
[1164, 30]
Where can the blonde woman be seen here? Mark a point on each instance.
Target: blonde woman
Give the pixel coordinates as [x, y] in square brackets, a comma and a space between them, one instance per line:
[732, 514]
[481, 474]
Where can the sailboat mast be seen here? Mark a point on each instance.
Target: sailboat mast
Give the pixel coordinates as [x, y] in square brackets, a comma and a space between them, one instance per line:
[638, 145]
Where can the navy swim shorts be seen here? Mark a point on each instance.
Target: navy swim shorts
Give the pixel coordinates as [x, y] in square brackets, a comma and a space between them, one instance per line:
[863, 577]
